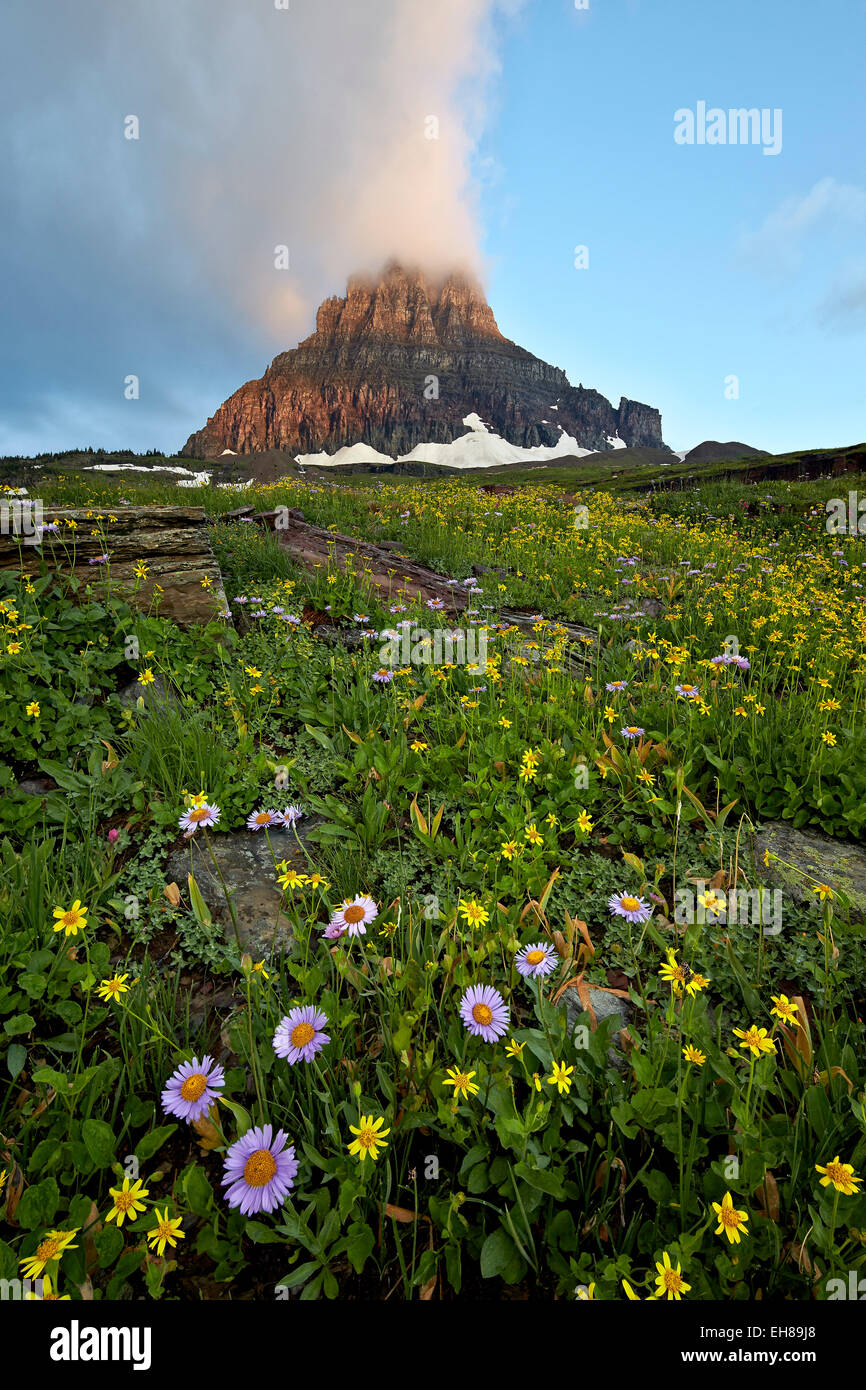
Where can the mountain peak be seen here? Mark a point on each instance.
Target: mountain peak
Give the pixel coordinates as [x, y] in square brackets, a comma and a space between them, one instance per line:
[400, 361]
[405, 305]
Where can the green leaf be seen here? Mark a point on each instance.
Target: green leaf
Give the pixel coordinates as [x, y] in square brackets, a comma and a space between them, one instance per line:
[197, 1190]
[147, 1147]
[109, 1243]
[542, 1179]
[242, 1116]
[39, 1204]
[200, 909]
[299, 1275]
[21, 1023]
[261, 1234]
[15, 1059]
[99, 1141]
[360, 1245]
[498, 1254]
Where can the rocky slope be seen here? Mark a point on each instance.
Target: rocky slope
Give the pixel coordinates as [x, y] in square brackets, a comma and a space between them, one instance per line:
[400, 361]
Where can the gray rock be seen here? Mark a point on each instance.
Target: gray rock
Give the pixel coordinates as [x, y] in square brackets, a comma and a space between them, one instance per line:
[247, 866]
[156, 693]
[838, 863]
[36, 786]
[604, 1005]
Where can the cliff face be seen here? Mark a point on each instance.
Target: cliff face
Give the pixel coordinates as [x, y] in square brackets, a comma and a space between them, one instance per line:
[400, 361]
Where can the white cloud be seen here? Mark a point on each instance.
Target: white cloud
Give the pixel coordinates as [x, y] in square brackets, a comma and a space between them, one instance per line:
[782, 242]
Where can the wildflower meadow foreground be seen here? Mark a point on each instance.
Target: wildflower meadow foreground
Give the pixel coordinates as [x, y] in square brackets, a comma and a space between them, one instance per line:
[327, 975]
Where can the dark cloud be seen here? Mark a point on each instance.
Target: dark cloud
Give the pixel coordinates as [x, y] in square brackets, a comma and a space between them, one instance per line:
[259, 127]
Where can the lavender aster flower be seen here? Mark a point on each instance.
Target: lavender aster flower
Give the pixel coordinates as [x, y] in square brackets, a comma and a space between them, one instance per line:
[291, 815]
[484, 1012]
[299, 1037]
[259, 1172]
[199, 815]
[632, 731]
[631, 908]
[536, 960]
[192, 1089]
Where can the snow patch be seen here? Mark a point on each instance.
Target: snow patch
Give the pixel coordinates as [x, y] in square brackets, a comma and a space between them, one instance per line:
[349, 454]
[480, 448]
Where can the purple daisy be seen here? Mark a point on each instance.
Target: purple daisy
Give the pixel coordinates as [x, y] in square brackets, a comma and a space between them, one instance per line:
[192, 1089]
[616, 685]
[632, 731]
[201, 814]
[262, 820]
[484, 1012]
[687, 692]
[291, 815]
[259, 1173]
[354, 915]
[383, 676]
[539, 959]
[631, 908]
[299, 1037]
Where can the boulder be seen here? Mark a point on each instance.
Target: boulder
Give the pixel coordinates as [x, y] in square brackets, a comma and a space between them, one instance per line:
[246, 863]
[838, 863]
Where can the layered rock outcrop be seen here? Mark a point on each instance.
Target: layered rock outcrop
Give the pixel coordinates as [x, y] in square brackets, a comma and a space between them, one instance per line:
[399, 362]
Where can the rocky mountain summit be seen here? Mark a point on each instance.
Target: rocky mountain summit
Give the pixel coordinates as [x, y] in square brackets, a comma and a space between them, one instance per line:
[400, 361]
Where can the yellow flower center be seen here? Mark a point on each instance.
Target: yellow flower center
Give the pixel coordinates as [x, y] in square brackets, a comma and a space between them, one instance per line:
[49, 1248]
[124, 1201]
[673, 1282]
[482, 1014]
[629, 904]
[200, 813]
[729, 1217]
[534, 957]
[835, 1172]
[367, 1138]
[259, 1168]
[301, 1034]
[194, 1086]
[354, 913]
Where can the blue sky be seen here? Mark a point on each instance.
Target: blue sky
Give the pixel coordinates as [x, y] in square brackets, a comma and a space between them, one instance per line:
[705, 262]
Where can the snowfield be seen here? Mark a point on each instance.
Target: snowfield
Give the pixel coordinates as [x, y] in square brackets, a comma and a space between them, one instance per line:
[479, 448]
